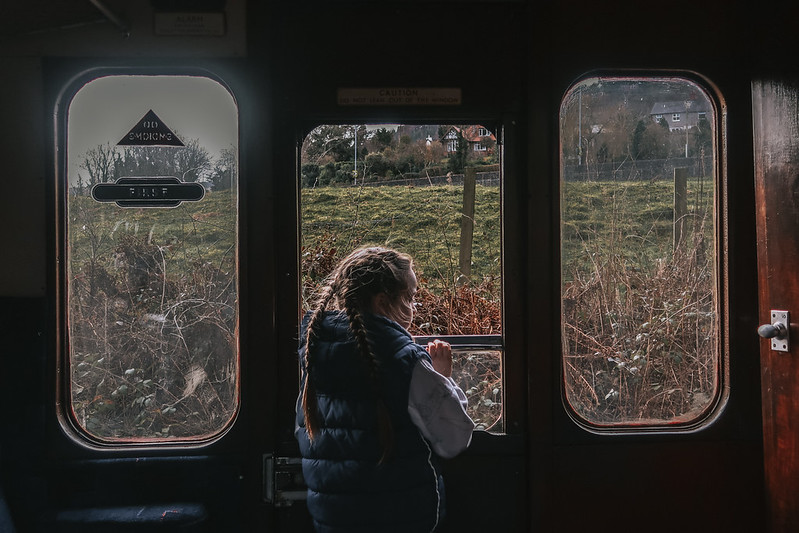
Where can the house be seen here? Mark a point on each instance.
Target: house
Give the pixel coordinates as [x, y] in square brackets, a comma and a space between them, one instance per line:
[480, 139]
[680, 115]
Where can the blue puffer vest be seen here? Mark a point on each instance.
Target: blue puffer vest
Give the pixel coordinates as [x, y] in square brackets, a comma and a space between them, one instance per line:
[347, 489]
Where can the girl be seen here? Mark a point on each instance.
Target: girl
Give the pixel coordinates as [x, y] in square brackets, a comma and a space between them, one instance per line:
[376, 411]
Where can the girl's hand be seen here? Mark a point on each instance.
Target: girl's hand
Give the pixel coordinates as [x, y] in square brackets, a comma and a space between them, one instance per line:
[441, 354]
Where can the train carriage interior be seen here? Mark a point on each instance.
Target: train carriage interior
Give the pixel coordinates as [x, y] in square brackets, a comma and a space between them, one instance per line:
[590, 192]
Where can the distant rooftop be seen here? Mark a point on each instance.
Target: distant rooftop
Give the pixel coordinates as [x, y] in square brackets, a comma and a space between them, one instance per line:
[693, 106]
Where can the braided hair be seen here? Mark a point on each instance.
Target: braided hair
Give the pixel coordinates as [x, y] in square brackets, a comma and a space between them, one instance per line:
[352, 287]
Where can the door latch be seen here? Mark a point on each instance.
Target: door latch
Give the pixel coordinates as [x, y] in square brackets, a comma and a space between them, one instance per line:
[283, 480]
[778, 331]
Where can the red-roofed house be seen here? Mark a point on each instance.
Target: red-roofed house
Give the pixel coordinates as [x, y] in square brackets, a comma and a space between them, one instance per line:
[480, 139]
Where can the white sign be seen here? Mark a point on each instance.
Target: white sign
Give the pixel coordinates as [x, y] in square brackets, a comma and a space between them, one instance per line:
[399, 96]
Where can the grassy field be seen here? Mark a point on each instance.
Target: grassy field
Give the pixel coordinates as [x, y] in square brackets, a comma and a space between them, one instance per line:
[193, 232]
[425, 223]
[153, 315]
[630, 219]
[633, 219]
[640, 329]
[421, 221]
[639, 316]
[153, 299]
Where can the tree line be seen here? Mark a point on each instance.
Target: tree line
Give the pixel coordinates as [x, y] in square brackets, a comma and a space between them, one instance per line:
[611, 121]
[193, 163]
[334, 153]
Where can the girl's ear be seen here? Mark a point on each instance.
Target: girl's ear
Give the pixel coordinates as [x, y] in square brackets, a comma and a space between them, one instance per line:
[381, 304]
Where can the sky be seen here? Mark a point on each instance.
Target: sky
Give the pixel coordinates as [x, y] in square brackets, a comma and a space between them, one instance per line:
[105, 109]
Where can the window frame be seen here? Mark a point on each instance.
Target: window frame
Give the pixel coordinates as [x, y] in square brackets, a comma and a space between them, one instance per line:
[67, 424]
[513, 417]
[476, 342]
[712, 413]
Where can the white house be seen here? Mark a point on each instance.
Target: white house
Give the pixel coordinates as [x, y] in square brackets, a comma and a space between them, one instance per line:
[680, 115]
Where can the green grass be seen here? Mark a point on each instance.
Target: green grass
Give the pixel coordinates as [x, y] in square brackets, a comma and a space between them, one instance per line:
[632, 220]
[194, 232]
[633, 309]
[421, 221]
[639, 317]
[153, 315]
[619, 276]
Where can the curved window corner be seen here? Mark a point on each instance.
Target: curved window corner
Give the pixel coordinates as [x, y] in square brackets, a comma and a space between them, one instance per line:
[149, 233]
[640, 261]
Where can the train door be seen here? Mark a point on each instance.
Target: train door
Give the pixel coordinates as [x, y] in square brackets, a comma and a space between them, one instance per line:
[776, 165]
[356, 126]
[161, 415]
[436, 190]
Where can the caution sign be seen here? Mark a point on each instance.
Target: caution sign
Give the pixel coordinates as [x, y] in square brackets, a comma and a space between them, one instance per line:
[150, 131]
[399, 96]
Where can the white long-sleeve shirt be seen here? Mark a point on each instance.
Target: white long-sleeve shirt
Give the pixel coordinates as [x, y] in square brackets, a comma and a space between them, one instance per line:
[437, 406]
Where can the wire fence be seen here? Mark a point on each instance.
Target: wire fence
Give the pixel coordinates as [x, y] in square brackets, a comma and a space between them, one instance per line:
[489, 179]
[631, 169]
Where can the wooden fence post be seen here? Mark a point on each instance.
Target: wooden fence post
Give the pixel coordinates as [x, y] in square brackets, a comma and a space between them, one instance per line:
[467, 223]
[680, 205]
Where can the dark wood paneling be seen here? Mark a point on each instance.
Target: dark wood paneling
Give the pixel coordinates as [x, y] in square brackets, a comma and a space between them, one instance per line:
[776, 121]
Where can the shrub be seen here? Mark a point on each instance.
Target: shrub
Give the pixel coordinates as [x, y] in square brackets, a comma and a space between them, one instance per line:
[158, 366]
[310, 174]
[152, 320]
[376, 164]
[639, 318]
[328, 174]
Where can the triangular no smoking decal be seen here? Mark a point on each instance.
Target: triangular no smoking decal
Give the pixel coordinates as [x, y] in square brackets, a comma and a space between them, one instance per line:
[150, 131]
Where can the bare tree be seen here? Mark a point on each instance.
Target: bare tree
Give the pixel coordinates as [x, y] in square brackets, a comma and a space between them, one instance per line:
[105, 163]
[101, 163]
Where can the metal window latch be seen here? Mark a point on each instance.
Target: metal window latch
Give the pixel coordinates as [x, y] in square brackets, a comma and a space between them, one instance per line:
[778, 331]
[283, 481]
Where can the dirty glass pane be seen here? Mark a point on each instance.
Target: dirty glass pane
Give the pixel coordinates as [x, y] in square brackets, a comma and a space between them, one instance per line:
[152, 285]
[638, 251]
[403, 187]
[478, 372]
